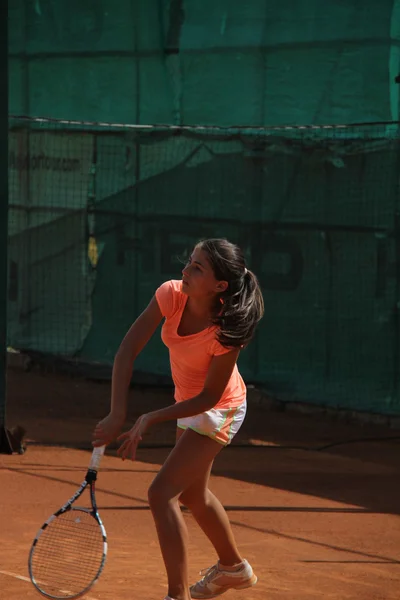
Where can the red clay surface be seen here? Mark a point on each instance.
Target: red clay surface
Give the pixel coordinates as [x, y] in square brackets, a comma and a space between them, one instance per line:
[315, 525]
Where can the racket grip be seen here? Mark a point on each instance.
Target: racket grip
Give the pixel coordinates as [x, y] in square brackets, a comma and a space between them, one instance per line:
[97, 455]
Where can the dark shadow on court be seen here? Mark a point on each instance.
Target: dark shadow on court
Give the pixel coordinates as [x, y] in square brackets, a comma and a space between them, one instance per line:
[273, 449]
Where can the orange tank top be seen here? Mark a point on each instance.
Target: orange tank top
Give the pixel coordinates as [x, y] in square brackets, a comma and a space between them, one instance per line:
[191, 355]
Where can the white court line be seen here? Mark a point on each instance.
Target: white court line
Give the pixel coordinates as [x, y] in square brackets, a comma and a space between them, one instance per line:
[22, 578]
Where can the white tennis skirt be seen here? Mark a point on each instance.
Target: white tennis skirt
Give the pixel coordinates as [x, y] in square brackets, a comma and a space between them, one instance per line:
[220, 424]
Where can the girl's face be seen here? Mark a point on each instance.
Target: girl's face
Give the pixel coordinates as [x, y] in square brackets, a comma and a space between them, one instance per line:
[198, 279]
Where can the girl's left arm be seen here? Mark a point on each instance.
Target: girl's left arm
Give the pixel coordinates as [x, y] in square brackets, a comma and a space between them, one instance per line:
[218, 375]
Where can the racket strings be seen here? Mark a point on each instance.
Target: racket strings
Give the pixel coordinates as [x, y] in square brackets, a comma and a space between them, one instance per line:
[68, 555]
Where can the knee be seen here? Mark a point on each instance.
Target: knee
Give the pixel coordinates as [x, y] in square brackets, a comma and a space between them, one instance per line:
[159, 495]
[155, 494]
[194, 501]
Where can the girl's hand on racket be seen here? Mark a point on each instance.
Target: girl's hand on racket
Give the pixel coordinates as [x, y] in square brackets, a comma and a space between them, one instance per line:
[132, 438]
[107, 430]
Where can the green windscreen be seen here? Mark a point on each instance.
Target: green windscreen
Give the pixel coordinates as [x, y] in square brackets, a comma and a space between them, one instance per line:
[217, 62]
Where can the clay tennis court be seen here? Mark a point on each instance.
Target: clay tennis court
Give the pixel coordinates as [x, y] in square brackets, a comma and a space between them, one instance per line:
[314, 524]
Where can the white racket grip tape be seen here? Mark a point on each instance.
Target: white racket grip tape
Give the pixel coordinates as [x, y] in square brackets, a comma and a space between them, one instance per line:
[97, 455]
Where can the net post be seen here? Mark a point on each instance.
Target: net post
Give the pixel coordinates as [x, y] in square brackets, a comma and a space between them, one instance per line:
[5, 444]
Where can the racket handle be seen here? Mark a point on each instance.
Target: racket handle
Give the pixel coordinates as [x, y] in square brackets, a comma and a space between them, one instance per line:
[97, 455]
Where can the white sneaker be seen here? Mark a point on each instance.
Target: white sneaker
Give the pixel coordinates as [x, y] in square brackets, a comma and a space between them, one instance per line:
[215, 581]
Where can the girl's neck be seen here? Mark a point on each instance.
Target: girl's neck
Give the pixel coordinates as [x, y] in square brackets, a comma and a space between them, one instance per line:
[201, 307]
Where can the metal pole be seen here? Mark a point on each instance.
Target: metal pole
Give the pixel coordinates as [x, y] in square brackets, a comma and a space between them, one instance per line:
[5, 446]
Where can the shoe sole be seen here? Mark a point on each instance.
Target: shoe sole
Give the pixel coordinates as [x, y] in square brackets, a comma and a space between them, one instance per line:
[243, 586]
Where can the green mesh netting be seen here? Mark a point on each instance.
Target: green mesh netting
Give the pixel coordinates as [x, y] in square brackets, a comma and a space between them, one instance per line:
[99, 216]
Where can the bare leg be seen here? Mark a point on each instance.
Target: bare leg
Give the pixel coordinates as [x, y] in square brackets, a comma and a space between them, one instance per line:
[192, 456]
[211, 517]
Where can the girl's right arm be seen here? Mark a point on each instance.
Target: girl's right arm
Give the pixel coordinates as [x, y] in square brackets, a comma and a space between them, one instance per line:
[131, 346]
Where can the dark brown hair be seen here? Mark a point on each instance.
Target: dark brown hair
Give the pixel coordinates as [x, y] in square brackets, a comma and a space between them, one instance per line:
[242, 305]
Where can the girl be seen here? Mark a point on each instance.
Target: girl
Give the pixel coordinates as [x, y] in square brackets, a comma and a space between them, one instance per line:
[209, 316]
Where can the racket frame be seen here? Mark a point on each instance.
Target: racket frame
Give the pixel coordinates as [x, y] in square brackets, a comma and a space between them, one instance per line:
[90, 480]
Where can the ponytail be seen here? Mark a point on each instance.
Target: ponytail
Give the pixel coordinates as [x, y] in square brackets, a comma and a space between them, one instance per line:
[242, 308]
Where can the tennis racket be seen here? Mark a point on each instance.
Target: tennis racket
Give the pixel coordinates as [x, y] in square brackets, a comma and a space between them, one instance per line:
[69, 551]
